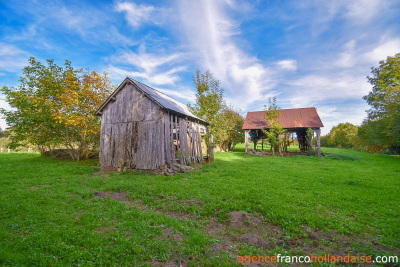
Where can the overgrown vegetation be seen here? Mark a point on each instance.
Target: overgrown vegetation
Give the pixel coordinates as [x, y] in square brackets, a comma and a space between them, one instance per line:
[275, 130]
[54, 106]
[62, 213]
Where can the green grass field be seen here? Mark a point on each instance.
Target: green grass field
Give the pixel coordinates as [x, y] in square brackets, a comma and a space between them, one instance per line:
[60, 213]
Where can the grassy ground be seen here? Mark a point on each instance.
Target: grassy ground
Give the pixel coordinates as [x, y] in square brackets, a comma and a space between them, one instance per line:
[66, 213]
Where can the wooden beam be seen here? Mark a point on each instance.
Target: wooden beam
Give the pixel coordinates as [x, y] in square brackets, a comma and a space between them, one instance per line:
[211, 148]
[319, 142]
[246, 139]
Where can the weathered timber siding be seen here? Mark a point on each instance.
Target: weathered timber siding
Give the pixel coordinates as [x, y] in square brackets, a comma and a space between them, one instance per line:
[137, 134]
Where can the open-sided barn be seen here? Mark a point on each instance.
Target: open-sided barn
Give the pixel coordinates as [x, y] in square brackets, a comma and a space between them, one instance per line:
[142, 128]
[296, 120]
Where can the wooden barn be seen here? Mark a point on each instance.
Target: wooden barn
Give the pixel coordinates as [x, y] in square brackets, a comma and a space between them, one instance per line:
[296, 120]
[142, 128]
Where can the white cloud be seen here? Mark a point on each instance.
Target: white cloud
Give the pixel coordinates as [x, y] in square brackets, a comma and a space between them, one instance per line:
[347, 58]
[137, 15]
[12, 58]
[209, 34]
[313, 89]
[332, 115]
[155, 68]
[382, 50]
[181, 92]
[361, 11]
[93, 25]
[289, 64]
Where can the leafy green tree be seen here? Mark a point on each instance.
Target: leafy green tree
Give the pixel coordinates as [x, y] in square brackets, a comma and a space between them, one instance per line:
[225, 122]
[275, 129]
[374, 135]
[384, 100]
[232, 132]
[209, 104]
[54, 106]
[209, 97]
[344, 135]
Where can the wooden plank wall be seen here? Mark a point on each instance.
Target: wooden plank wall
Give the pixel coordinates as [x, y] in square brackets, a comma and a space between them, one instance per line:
[137, 134]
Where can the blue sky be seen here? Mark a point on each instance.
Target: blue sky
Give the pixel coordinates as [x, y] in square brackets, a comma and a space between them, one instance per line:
[306, 53]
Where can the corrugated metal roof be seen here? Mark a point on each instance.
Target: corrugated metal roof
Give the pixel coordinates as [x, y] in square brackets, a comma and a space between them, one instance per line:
[288, 118]
[161, 99]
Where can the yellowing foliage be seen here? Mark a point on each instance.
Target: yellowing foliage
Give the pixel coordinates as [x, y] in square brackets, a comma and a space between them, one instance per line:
[54, 105]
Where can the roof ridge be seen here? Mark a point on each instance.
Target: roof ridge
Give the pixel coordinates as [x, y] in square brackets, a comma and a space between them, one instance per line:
[282, 109]
[163, 99]
[154, 89]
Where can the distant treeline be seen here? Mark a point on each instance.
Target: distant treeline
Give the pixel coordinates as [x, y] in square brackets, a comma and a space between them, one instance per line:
[372, 136]
[380, 131]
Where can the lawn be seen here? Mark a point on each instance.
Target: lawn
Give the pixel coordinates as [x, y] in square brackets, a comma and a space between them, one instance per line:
[59, 213]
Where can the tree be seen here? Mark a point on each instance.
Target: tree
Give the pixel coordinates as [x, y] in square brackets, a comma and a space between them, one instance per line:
[209, 97]
[54, 105]
[275, 129]
[225, 122]
[232, 132]
[209, 104]
[384, 100]
[344, 135]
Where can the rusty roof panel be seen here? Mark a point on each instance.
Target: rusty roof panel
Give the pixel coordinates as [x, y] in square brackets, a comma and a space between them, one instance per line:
[288, 118]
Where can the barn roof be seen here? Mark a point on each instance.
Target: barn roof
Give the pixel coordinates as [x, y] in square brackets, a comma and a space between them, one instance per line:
[288, 118]
[163, 100]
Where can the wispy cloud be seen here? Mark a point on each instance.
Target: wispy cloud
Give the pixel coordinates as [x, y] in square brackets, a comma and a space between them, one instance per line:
[386, 47]
[155, 68]
[288, 64]
[362, 11]
[209, 33]
[180, 92]
[12, 58]
[93, 25]
[137, 15]
[314, 89]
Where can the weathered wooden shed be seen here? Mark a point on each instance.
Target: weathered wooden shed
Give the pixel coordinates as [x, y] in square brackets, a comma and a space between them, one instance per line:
[142, 128]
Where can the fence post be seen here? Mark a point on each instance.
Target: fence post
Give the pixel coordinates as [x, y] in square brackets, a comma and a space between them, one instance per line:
[8, 149]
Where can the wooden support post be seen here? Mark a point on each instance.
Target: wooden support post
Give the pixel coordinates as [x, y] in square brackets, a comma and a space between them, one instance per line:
[280, 144]
[211, 149]
[255, 140]
[262, 143]
[319, 142]
[246, 140]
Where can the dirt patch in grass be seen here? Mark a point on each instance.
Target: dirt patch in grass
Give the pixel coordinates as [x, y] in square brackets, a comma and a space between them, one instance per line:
[246, 228]
[168, 233]
[105, 230]
[167, 264]
[123, 197]
[116, 196]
